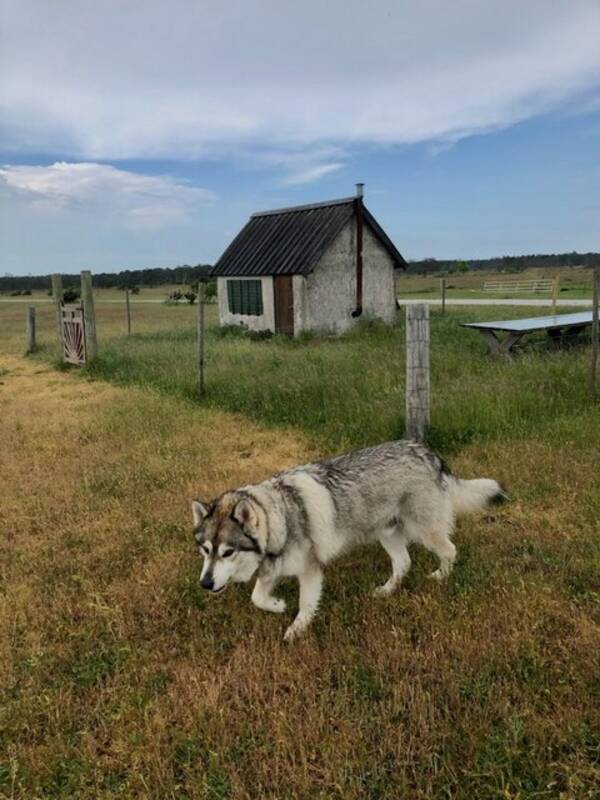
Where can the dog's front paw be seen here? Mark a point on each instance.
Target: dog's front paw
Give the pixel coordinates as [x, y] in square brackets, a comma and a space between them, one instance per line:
[439, 575]
[293, 632]
[276, 605]
[384, 591]
[273, 604]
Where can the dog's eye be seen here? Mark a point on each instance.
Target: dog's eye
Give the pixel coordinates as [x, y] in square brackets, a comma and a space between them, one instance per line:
[227, 553]
[205, 550]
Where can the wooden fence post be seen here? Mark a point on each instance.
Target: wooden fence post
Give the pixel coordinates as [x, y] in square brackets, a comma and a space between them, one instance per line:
[443, 290]
[128, 312]
[89, 315]
[595, 334]
[57, 295]
[200, 340]
[417, 371]
[555, 293]
[30, 330]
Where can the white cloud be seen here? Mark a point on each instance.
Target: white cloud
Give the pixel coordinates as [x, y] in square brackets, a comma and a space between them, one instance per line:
[122, 197]
[299, 165]
[186, 80]
[311, 174]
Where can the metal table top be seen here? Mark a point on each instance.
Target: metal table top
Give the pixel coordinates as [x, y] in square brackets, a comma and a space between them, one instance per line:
[534, 323]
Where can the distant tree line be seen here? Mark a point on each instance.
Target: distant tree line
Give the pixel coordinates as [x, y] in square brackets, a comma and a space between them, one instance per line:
[185, 275]
[427, 266]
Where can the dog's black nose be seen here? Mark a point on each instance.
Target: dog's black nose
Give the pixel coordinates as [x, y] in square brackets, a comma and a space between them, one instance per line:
[207, 582]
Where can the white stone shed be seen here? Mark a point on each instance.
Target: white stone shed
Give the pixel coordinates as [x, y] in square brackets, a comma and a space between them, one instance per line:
[319, 267]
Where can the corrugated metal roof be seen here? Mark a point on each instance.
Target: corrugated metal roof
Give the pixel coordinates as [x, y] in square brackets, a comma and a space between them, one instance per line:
[290, 241]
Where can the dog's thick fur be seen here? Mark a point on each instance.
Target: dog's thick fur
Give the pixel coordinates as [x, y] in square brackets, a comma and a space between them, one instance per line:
[298, 521]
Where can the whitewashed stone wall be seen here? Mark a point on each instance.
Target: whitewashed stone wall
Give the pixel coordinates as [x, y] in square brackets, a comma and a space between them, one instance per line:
[331, 287]
[301, 321]
[379, 288]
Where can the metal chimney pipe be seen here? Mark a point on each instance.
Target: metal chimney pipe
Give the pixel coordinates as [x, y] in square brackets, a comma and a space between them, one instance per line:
[358, 210]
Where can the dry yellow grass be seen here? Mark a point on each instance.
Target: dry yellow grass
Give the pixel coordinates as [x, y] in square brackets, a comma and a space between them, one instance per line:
[111, 321]
[121, 679]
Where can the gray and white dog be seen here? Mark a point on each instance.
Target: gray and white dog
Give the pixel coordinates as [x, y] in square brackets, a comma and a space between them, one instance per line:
[296, 522]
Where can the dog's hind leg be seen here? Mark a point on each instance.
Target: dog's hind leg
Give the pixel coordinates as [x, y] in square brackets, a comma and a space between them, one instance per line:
[432, 526]
[262, 597]
[435, 536]
[311, 585]
[441, 545]
[394, 544]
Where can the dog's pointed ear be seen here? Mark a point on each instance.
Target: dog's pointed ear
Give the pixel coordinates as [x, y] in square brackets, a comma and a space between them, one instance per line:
[245, 514]
[199, 511]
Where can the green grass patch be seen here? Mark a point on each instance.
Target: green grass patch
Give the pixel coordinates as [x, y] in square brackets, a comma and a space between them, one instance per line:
[349, 391]
[95, 662]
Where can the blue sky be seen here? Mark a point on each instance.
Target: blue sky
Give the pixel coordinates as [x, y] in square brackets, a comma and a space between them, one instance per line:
[145, 134]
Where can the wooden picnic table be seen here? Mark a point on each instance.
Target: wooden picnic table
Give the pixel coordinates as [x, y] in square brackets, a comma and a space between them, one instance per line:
[556, 326]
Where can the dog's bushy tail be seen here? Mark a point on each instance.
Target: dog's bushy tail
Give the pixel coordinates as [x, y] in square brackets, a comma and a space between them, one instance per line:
[475, 495]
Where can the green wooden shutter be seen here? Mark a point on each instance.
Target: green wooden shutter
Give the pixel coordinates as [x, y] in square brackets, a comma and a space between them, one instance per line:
[245, 297]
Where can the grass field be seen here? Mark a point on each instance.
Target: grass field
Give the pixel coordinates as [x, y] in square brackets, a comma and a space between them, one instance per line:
[575, 283]
[146, 294]
[120, 678]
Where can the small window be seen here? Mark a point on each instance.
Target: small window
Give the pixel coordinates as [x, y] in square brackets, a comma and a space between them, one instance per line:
[245, 297]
